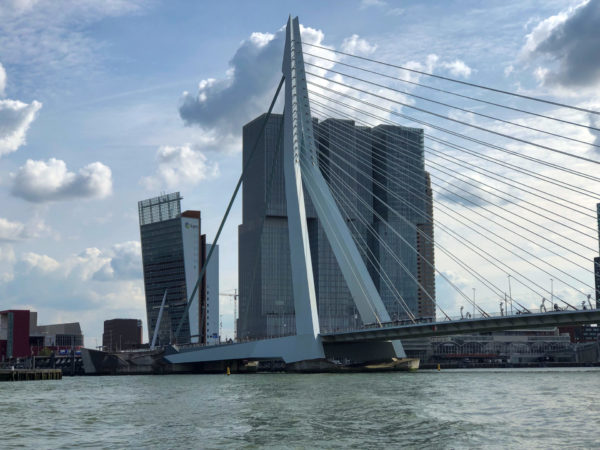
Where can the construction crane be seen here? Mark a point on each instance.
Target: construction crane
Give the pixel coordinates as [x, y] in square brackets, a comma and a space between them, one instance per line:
[235, 310]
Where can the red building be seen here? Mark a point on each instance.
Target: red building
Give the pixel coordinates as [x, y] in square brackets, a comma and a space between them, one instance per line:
[14, 334]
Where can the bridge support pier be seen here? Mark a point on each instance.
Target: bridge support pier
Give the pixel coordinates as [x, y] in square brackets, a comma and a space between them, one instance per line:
[363, 352]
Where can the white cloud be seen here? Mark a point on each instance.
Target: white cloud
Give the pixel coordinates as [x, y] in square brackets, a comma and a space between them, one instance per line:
[540, 74]
[17, 6]
[179, 166]
[7, 262]
[508, 70]
[2, 80]
[72, 288]
[595, 122]
[430, 64]
[261, 39]
[568, 43]
[120, 262]
[11, 231]
[457, 68]
[543, 30]
[125, 263]
[40, 181]
[41, 33]
[369, 3]
[43, 263]
[226, 104]
[15, 118]
[357, 45]
[395, 12]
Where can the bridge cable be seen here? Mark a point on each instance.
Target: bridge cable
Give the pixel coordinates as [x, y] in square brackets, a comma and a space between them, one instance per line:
[441, 116]
[487, 171]
[502, 179]
[508, 122]
[364, 247]
[451, 132]
[514, 94]
[466, 297]
[394, 231]
[339, 200]
[493, 160]
[478, 169]
[466, 267]
[590, 127]
[399, 235]
[489, 231]
[510, 230]
[520, 169]
[364, 222]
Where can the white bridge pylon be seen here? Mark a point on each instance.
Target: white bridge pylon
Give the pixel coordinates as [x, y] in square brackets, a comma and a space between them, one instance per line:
[301, 166]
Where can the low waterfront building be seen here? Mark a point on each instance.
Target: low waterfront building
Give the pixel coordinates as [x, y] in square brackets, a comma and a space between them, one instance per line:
[547, 345]
[14, 334]
[21, 336]
[122, 334]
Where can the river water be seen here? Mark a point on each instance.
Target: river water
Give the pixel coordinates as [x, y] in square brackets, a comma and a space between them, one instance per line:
[504, 408]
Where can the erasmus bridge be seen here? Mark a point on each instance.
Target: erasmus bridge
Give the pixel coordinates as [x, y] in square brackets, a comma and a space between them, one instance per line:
[554, 239]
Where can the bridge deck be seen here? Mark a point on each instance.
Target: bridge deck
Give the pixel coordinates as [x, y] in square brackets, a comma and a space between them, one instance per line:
[479, 325]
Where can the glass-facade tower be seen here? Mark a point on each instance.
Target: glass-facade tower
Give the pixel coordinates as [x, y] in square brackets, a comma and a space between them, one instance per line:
[369, 170]
[173, 252]
[597, 262]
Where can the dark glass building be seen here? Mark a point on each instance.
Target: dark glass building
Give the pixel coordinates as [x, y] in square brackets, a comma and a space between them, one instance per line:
[368, 170]
[597, 262]
[173, 253]
[266, 306]
[122, 334]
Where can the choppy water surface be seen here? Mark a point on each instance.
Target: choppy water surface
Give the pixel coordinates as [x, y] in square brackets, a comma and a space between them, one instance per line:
[467, 408]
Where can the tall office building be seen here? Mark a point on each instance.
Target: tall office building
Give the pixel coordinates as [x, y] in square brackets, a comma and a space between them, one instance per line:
[368, 170]
[346, 168]
[173, 254]
[400, 189]
[212, 296]
[426, 258]
[265, 280]
[597, 262]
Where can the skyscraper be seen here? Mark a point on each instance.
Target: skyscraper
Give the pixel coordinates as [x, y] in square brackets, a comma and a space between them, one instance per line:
[400, 189]
[426, 258]
[173, 254]
[597, 262]
[370, 172]
[212, 296]
[266, 307]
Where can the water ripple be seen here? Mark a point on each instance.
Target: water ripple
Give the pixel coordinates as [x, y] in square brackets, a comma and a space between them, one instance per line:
[448, 409]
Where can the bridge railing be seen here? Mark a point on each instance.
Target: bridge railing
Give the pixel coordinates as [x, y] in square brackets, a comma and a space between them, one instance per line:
[464, 317]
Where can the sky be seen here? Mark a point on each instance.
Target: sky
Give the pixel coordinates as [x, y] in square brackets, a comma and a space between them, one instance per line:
[105, 103]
